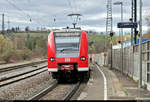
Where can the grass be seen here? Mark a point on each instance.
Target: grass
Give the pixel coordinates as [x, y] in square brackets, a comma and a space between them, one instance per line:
[125, 92]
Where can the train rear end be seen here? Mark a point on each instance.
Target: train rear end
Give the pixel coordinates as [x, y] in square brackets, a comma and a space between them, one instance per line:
[68, 55]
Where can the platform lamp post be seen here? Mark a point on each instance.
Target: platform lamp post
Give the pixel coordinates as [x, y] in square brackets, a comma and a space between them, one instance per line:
[111, 43]
[140, 45]
[121, 3]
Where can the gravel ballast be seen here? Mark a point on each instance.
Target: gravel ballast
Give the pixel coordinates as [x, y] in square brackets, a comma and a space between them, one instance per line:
[25, 89]
[58, 93]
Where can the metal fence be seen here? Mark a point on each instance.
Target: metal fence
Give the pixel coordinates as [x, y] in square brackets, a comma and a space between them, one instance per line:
[130, 61]
[101, 59]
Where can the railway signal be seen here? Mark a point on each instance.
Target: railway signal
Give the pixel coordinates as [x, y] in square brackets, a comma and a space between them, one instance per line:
[119, 41]
[111, 43]
[105, 55]
[111, 34]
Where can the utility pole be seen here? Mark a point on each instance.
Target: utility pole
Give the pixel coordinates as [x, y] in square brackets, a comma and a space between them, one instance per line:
[3, 24]
[111, 35]
[140, 46]
[8, 24]
[8, 30]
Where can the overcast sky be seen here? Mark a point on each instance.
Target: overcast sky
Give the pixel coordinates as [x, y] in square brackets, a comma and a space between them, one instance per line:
[43, 12]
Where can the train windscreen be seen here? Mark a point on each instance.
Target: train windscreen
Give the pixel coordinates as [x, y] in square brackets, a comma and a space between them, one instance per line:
[67, 44]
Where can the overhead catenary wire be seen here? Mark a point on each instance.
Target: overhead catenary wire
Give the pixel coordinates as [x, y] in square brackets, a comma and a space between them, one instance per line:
[80, 6]
[126, 10]
[71, 8]
[18, 9]
[75, 8]
[29, 16]
[24, 14]
[7, 20]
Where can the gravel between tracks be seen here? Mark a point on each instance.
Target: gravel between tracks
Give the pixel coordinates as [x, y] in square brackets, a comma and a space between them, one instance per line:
[20, 70]
[58, 93]
[26, 88]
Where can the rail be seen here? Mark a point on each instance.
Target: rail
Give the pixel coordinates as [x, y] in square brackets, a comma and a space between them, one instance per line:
[4, 69]
[72, 92]
[44, 92]
[15, 78]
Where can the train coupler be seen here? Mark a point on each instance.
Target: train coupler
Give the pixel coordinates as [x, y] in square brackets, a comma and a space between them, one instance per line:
[67, 68]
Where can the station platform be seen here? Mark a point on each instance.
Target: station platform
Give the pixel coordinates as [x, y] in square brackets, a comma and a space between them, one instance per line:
[119, 87]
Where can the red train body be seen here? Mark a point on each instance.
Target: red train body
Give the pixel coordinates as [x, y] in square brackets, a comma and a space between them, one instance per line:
[68, 54]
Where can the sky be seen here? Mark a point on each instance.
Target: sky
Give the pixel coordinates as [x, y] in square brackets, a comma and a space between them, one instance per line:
[43, 12]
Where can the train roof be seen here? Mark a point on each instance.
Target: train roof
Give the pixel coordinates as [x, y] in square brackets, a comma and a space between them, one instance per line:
[68, 30]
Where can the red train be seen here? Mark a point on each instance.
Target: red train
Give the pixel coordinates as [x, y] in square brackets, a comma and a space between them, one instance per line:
[68, 54]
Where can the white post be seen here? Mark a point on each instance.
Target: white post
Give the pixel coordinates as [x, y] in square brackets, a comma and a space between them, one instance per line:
[122, 36]
[140, 46]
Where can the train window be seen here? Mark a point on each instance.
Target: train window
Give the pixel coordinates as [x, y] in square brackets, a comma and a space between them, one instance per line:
[67, 43]
[67, 34]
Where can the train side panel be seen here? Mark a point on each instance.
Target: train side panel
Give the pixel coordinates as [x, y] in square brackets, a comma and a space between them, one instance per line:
[52, 65]
[83, 65]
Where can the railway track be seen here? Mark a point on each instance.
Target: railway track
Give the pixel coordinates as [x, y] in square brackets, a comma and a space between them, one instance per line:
[44, 92]
[72, 91]
[14, 67]
[53, 86]
[15, 78]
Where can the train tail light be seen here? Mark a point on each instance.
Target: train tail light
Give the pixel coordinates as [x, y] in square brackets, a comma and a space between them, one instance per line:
[52, 59]
[82, 58]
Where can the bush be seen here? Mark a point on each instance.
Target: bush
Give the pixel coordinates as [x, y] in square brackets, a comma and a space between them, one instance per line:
[7, 55]
[6, 48]
[26, 54]
[5, 43]
[98, 43]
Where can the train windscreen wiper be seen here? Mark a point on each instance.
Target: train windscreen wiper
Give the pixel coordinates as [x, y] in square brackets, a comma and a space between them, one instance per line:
[67, 49]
